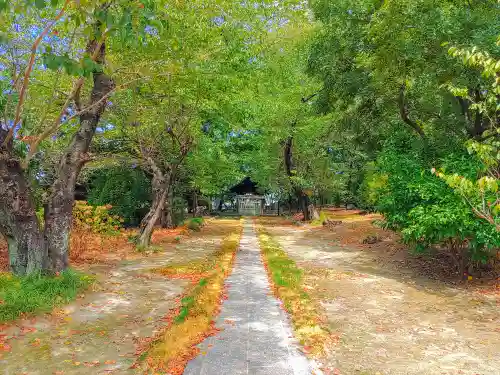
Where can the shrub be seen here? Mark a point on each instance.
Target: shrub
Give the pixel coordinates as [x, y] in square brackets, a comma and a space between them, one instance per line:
[195, 223]
[127, 189]
[96, 219]
[198, 220]
[337, 199]
[426, 210]
[91, 223]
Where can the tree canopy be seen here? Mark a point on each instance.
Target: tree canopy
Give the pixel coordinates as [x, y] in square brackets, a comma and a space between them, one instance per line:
[393, 106]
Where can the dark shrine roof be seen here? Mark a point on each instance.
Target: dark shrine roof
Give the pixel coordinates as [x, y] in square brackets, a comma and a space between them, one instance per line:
[246, 186]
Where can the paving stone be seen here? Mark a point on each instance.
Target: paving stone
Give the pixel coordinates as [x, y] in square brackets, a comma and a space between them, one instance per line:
[257, 337]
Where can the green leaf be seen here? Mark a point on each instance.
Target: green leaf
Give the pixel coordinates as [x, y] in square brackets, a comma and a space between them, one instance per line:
[157, 24]
[40, 4]
[110, 21]
[52, 62]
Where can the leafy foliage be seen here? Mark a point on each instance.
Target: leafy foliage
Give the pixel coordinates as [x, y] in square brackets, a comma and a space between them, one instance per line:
[127, 190]
[401, 83]
[96, 219]
[195, 224]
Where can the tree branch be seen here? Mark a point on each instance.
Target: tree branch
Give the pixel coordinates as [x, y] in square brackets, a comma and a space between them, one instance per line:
[29, 69]
[403, 110]
[307, 98]
[59, 122]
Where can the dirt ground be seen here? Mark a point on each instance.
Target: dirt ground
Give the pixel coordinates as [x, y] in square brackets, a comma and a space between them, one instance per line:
[393, 313]
[104, 331]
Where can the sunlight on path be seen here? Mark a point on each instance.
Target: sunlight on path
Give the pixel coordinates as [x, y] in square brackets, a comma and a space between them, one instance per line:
[391, 320]
[256, 337]
[101, 334]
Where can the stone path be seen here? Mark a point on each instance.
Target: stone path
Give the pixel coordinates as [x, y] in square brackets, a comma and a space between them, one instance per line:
[257, 338]
[100, 333]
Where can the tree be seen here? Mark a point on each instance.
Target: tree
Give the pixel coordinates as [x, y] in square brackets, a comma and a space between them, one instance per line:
[398, 98]
[76, 41]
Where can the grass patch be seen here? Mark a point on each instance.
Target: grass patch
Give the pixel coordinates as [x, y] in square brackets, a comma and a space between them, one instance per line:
[148, 249]
[36, 293]
[195, 224]
[193, 320]
[287, 280]
[322, 218]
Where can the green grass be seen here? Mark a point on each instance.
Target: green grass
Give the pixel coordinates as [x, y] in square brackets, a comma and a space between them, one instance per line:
[322, 218]
[37, 294]
[288, 285]
[195, 224]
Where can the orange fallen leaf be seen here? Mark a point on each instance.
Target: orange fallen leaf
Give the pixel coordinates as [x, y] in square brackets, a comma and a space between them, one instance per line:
[110, 362]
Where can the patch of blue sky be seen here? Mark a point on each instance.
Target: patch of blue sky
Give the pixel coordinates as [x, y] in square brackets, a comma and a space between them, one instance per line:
[151, 30]
[105, 127]
[283, 21]
[40, 175]
[219, 20]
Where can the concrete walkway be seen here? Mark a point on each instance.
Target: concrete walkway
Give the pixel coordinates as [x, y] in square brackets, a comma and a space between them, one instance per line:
[257, 338]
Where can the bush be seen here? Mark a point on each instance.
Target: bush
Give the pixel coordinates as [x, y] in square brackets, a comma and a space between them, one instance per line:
[426, 210]
[178, 211]
[195, 224]
[35, 293]
[337, 199]
[198, 220]
[96, 219]
[127, 190]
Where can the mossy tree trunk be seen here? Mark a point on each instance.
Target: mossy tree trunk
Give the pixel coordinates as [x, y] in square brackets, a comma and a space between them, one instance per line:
[167, 220]
[18, 221]
[30, 249]
[59, 212]
[160, 186]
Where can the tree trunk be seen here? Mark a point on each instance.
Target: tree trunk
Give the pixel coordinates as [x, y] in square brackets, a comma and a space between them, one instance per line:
[59, 212]
[160, 186]
[167, 217]
[303, 201]
[18, 222]
[195, 203]
[313, 212]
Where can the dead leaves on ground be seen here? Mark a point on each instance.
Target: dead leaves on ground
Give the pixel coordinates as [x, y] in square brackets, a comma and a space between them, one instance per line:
[310, 327]
[193, 319]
